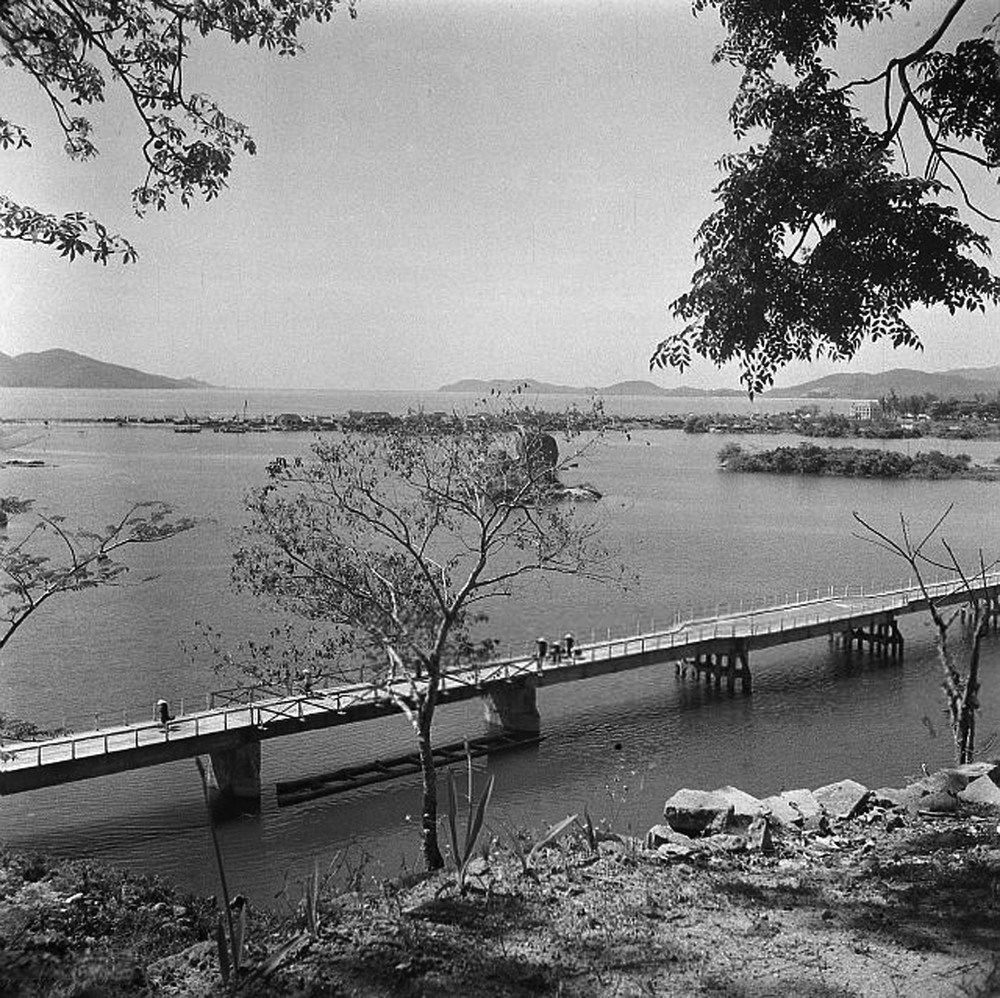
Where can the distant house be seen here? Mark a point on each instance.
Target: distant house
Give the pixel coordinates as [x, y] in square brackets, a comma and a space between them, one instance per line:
[864, 409]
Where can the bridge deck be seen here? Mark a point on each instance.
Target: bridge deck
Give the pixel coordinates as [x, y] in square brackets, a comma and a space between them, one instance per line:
[26, 766]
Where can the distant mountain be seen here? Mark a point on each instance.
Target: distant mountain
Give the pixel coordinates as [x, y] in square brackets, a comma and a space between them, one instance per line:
[963, 382]
[511, 384]
[632, 388]
[66, 369]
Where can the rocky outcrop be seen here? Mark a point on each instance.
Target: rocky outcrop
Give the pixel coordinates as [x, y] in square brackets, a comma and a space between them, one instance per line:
[707, 821]
[584, 492]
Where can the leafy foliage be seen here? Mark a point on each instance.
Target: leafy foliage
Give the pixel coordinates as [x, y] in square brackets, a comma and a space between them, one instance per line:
[824, 237]
[463, 849]
[394, 540]
[49, 557]
[44, 557]
[73, 48]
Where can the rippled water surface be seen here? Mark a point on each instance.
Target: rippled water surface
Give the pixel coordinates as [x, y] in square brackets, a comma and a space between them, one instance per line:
[695, 537]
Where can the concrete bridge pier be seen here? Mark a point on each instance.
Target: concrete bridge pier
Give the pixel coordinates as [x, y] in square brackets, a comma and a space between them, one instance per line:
[732, 664]
[235, 774]
[738, 668]
[884, 640]
[513, 708]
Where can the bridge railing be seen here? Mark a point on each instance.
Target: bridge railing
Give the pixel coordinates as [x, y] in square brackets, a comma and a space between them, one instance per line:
[244, 706]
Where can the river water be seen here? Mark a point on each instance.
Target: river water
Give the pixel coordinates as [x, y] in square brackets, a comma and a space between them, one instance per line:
[696, 538]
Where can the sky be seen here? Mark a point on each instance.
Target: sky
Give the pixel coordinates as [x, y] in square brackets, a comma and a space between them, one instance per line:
[442, 190]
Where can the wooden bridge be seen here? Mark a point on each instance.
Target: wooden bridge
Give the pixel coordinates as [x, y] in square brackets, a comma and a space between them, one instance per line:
[231, 729]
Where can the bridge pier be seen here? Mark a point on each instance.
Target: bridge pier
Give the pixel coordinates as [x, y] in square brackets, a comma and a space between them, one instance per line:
[739, 668]
[513, 707]
[235, 773]
[883, 639]
[732, 663]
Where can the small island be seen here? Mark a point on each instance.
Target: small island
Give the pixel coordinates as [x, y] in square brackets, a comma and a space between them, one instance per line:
[853, 462]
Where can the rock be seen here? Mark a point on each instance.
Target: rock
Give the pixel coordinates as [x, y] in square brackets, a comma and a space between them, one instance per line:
[843, 800]
[725, 843]
[584, 492]
[975, 770]
[693, 811]
[894, 797]
[940, 802]
[659, 834]
[981, 791]
[719, 824]
[745, 807]
[759, 835]
[947, 780]
[819, 822]
[671, 850]
[792, 807]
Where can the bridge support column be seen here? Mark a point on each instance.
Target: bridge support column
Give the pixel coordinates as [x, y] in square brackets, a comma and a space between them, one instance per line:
[513, 707]
[235, 773]
[739, 665]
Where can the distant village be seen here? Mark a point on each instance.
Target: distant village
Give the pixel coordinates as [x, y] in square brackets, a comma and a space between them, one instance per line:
[890, 417]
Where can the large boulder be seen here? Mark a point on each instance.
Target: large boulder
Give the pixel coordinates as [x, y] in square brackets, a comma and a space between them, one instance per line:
[658, 835]
[695, 812]
[950, 781]
[745, 807]
[981, 791]
[791, 807]
[845, 799]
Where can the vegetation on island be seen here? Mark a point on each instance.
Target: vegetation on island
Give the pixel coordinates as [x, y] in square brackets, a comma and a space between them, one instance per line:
[857, 203]
[852, 462]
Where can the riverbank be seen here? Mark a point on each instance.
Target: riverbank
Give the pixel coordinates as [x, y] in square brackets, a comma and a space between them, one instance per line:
[895, 893]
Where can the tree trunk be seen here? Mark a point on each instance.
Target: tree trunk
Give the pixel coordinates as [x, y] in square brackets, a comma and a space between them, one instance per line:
[432, 853]
[970, 699]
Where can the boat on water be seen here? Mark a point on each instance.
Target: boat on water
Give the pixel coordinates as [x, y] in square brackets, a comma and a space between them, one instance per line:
[187, 428]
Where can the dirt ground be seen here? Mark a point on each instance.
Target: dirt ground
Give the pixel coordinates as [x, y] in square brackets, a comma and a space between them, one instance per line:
[888, 904]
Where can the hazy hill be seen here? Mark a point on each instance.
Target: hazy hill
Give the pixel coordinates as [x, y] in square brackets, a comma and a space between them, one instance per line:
[509, 385]
[960, 383]
[545, 388]
[963, 382]
[66, 369]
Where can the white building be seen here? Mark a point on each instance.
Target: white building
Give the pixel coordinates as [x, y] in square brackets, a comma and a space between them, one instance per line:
[864, 409]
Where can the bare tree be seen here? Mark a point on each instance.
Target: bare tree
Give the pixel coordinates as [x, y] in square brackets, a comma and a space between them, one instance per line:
[394, 538]
[975, 606]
